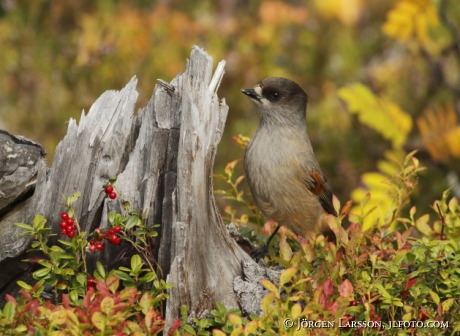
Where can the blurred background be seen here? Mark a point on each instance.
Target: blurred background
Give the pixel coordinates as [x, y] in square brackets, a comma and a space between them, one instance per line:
[383, 77]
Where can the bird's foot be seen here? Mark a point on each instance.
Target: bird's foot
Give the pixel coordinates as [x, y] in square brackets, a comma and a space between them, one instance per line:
[259, 253]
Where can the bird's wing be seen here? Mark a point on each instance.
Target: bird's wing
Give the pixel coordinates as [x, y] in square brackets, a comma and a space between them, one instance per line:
[317, 185]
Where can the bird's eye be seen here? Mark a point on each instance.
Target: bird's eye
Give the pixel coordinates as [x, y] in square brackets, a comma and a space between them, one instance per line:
[275, 95]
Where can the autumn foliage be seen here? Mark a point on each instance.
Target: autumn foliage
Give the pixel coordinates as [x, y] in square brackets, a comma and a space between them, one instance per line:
[383, 79]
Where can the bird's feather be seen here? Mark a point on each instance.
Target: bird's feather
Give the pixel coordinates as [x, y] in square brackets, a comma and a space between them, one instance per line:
[317, 185]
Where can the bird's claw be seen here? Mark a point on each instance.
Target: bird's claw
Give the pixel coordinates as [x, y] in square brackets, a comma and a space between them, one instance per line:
[259, 253]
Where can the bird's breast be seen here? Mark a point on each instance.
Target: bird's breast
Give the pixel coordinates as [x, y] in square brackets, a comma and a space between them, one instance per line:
[274, 167]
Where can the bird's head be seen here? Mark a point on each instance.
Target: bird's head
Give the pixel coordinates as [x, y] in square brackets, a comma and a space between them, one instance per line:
[280, 98]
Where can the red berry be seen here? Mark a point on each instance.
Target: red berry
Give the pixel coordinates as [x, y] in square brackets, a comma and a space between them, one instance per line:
[74, 227]
[113, 195]
[91, 282]
[98, 230]
[404, 292]
[99, 246]
[70, 221]
[69, 229]
[64, 215]
[63, 224]
[71, 234]
[63, 231]
[117, 229]
[114, 239]
[99, 238]
[110, 232]
[92, 248]
[353, 303]
[108, 189]
[92, 242]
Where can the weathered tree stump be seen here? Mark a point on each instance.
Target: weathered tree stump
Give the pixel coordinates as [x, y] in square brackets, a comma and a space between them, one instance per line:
[164, 158]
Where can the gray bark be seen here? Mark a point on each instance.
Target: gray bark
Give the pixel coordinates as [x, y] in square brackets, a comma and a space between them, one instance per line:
[164, 158]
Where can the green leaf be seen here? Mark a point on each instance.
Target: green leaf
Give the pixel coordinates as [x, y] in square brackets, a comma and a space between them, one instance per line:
[24, 285]
[81, 278]
[24, 226]
[67, 271]
[39, 222]
[122, 276]
[188, 328]
[221, 308]
[136, 263]
[100, 270]
[73, 295]
[111, 217]
[41, 273]
[132, 221]
[76, 195]
[9, 310]
[46, 264]
[21, 328]
[434, 297]
[150, 276]
[66, 243]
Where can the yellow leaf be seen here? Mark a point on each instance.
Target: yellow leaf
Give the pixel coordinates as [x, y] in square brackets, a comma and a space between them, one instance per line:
[446, 305]
[382, 198]
[347, 12]
[296, 310]
[434, 297]
[230, 168]
[270, 286]
[382, 115]
[98, 320]
[107, 305]
[453, 205]
[250, 328]
[235, 320]
[238, 331]
[58, 317]
[267, 301]
[287, 275]
[411, 18]
[217, 332]
[285, 249]
[422, 225]
[440, 132]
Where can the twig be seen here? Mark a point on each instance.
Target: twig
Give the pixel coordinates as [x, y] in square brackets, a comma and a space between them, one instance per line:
[442, 221]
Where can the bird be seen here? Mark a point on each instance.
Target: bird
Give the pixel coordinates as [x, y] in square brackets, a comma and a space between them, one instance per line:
[282, 171]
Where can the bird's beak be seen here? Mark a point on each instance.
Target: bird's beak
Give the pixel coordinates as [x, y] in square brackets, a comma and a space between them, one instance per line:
[252, 94]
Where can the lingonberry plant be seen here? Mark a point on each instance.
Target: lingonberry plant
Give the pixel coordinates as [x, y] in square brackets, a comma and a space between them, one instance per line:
[109, 188]
[380, 281]
[82, 303]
